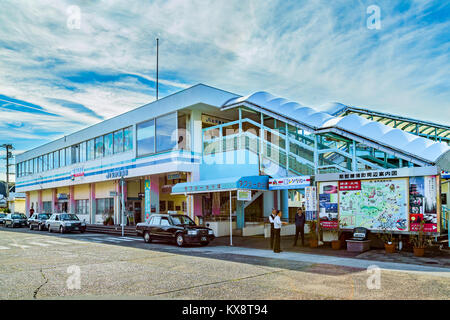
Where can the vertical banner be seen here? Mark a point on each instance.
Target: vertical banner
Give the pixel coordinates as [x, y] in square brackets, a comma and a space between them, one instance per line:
[147, 200]
[423, 203]
[311, 203]
[328, 205]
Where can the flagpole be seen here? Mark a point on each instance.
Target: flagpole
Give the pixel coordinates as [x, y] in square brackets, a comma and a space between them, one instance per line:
[157, 66]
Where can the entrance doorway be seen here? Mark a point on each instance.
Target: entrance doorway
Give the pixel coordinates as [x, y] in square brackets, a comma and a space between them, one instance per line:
[134, 212]
[62, 206]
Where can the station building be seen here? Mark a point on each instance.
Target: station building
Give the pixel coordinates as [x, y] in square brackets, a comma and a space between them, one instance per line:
[191, 152]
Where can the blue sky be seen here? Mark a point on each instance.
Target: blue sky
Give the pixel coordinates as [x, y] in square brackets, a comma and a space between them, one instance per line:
[55, 80]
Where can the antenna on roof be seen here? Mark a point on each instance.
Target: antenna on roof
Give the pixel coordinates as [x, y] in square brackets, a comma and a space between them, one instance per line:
[157, 56]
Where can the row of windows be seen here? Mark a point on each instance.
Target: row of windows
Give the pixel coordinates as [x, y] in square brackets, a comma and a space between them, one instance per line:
[103, 146]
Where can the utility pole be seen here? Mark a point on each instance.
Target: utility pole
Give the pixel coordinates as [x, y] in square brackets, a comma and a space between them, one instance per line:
[157, 66]
[8, 155]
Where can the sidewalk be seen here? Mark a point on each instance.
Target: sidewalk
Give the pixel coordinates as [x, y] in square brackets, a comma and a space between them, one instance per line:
[435, 259]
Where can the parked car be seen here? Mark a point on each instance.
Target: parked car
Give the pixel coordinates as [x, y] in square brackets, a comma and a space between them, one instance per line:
[174, 228]
[2, 218]
[65, 222]
[38, 221]
[15, 220]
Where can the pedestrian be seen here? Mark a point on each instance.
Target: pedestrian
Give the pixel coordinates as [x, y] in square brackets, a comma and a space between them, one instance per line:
[277, 230]
[299, 226]
[272, 232]
[31, 211]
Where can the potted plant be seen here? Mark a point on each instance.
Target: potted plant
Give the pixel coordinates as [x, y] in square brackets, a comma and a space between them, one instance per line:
[313, 241]
[108, 220]
[336, 244]
[419, 241]
[388, 239]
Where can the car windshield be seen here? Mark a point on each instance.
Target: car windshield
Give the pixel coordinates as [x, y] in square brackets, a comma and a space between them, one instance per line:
[18, 216]
[182, 220]
[66, 217]
[44, 216]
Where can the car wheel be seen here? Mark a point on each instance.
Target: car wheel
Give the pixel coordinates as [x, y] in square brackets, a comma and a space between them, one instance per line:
[204, 243]
[61, 229]
[147, 238]
[180, 240]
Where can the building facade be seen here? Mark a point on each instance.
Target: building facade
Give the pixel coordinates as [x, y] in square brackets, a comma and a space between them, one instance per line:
[177, 154]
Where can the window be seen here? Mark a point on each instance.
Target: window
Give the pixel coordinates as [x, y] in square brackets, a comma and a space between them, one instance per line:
[127, 139]
[45, 162]
[108, 144]
[75, 153]
[90, 150]
[68, 157]
[156, 221]
[166, 129]
[183, 143]
[47, 206]
[40, 164]
[170, 205]
[82, 207]
[35, 160]
[98, 147]
[83, 152]
[165, 222]
[56, 159]
[104, 206]
[50, 161]
[146, 138]
[62, 158]
[118, 141]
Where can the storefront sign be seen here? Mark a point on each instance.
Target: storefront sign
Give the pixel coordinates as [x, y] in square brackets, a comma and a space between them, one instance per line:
[62, 196]
[147, 200]
[176, 176]
[311, 203]
[77, 172]
[166, 188]
[210, 120]
[289, 183]
[250, 183]
[445, 175]
[117, 173]
[244, 195]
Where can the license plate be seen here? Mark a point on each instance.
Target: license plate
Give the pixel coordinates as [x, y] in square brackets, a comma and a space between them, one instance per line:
[76, 228]
[203, 238]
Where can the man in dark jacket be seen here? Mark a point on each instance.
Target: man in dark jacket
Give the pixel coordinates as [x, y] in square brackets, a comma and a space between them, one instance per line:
[272, 232]
[299, 226]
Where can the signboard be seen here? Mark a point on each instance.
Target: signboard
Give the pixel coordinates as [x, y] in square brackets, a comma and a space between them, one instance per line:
[328, 205]
[77, 172]
[117, 173]
[388, 173]
[289, 183]
[350, 185]
[176, 176]
[244, 195]
[250, 183]
[445, 175]
[113, 193]
[423, 203]
[311, 203]
[379, 204]
[147, 201]
[62, 196]
[214, 121]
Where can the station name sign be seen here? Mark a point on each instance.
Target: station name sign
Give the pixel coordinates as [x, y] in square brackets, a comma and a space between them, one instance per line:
[378, 174]
[117, 173]
[299, 182]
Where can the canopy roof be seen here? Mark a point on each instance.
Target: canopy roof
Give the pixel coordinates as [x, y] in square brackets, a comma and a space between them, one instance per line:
[357, 126]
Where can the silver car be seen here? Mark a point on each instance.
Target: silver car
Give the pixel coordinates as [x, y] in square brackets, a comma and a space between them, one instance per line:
[65, 222]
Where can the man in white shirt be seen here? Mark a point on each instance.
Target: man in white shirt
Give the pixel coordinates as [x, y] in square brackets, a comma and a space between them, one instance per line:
[277, 229]
[271, 219]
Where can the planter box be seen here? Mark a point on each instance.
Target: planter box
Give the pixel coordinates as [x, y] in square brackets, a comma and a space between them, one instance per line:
[358, 246]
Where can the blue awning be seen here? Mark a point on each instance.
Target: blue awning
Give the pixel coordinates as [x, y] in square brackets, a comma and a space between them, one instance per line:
[224, 184]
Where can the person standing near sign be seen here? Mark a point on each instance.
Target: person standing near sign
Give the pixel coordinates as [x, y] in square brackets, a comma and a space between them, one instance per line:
[277, 231]
[299, 226]
[271, 220]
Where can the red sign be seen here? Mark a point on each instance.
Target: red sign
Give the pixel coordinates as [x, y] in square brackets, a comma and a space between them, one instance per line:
[329, 224]
[427, 227]
[350, 185]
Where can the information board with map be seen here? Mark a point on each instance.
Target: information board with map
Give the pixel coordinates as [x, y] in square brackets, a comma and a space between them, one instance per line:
[380, 204]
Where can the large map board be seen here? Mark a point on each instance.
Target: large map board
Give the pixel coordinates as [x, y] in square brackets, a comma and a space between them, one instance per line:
[380, 204]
